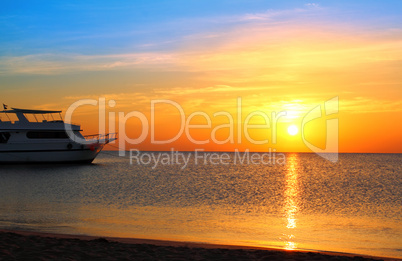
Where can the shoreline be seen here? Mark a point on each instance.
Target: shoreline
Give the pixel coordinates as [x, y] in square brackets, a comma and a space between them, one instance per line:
[18, 244]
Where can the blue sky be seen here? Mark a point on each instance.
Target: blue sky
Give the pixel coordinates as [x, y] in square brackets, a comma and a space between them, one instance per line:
[102, 27]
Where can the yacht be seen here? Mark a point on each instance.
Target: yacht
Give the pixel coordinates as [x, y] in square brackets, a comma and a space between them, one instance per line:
[41, 136]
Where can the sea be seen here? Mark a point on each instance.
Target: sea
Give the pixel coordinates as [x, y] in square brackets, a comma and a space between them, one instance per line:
[293, 201]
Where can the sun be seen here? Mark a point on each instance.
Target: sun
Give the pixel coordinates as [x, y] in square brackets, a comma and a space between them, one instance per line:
[293, 130]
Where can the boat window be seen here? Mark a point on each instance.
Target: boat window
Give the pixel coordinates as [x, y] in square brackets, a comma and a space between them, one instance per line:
[4, 136]
[47, 135]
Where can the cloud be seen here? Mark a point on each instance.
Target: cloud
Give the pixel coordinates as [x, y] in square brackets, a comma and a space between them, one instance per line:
[277, 49]
[225, 98]
[369, 105]
[62, 63]
[312, 5]
[176, 50]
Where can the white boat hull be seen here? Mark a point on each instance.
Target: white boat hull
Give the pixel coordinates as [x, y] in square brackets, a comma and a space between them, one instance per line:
[86, 155]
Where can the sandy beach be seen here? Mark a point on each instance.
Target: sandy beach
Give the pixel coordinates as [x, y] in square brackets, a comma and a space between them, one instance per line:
[24, 245]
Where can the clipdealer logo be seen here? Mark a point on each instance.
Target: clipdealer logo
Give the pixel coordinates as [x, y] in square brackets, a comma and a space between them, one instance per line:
[242, 128]
[238, 132]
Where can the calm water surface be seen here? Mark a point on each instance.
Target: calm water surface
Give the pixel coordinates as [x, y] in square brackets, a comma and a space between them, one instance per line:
[351, 206]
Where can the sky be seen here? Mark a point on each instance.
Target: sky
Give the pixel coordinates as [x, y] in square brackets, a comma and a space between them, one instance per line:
[210, 58]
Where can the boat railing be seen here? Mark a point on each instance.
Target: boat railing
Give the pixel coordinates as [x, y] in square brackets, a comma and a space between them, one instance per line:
[97, 138]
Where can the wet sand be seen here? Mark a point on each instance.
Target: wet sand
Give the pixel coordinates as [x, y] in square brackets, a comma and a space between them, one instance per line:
[23, 245]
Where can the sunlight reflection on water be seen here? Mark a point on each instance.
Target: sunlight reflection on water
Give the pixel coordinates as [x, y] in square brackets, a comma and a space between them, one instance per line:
[291, 199]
